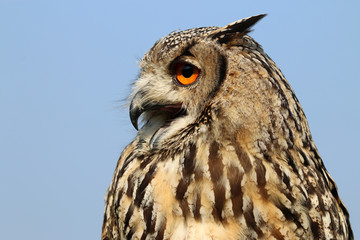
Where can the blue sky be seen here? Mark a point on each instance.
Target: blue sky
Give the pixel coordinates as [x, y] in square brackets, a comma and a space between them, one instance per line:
[66, 68]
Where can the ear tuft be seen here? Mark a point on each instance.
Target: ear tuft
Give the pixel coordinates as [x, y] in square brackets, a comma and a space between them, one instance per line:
[240, 27]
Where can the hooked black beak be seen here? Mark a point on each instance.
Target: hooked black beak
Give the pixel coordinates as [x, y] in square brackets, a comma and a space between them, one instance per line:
[136, 109]
[135, 113]
[138, 106]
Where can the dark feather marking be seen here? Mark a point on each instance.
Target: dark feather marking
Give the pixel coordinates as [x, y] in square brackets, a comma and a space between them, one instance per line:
[180, 192]
[113, 217]
[349, 229]
[306, 160]
[105, 219]
[250, 220]
[290, 140]
[198, 174]
[235, 177]
[165, 154]
[185, 208]
[204, 118]
[119, 197]
[124, 166]
[319, 223]
[222, 71]
[289, 195]
[291, 162]
[277, 234]
[145, 182]
[334, 211]
[189, 161]
[187, 171]
[128, 216]
[215, 162]
[216, 172]
[161, 231]
[305, 142]
[197, 206]
[185, 52]
[314, 150]
[243, 158]
[321, 185]
[315, 229]
[146, 162]
[181, 189]
[131, 184]
[130, 234]
[284, 178]
[219, 191]
[222, 75]
[310, 188]
[321, 202]
[260, 178]
[267, 156]
[287, 191]
[150, 223]
[290, 216]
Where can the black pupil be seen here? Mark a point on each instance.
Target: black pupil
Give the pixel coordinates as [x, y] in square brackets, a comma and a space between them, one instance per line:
[187, 71]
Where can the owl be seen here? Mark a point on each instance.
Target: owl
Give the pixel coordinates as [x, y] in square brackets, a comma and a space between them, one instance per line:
[224, 151]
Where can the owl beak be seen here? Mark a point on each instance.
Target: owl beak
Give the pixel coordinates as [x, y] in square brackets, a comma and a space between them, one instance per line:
[134, 116]
[138, 107]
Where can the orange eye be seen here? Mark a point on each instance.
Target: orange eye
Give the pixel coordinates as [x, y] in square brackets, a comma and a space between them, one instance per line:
[186, 73]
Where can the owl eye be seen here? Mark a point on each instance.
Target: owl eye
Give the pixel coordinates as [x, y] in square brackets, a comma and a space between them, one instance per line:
[186, 73]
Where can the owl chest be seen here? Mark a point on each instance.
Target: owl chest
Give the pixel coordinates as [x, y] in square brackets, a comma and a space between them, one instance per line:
[199, 194]
[179, 198]
[189, 196]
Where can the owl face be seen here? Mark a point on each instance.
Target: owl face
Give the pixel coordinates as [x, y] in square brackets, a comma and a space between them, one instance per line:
[173, 89]
[180, 76]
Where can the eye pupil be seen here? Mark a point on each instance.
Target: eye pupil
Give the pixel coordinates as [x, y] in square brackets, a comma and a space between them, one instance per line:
[187, 71]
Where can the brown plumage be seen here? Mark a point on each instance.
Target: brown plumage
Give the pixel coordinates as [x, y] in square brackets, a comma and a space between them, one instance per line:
[225, 151]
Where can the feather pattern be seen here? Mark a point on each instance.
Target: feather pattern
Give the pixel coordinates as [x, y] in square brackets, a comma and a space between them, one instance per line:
[231, 158]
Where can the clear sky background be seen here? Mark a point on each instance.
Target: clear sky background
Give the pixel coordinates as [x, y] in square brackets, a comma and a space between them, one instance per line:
[66, 68]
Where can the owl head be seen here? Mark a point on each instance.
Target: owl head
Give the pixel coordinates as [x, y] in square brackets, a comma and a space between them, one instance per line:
[210, 76]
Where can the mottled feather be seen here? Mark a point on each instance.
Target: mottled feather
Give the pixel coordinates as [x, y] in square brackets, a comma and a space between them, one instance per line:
[228, 157]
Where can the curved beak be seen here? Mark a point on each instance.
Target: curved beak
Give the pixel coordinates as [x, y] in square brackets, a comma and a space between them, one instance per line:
[136, 109]
[138, 106]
